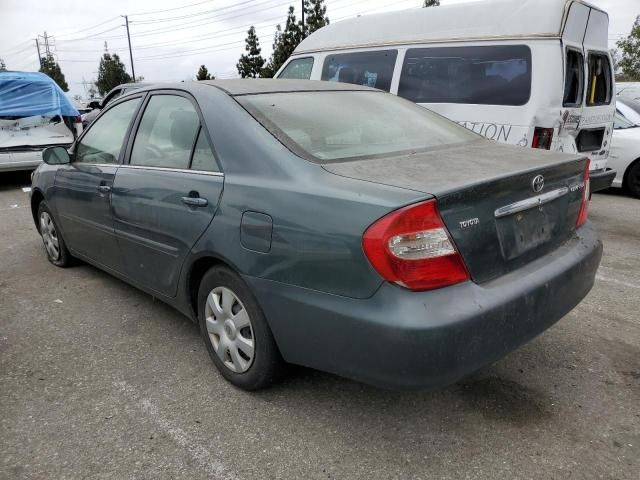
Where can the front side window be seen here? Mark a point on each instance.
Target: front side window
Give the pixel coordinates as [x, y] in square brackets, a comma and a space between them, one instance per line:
[298, 69]
[599, 91]
[339, 125]
[574, 79]
[103, 141]
[620, 122]
[487, 75]
[166, 134]
[373, 69]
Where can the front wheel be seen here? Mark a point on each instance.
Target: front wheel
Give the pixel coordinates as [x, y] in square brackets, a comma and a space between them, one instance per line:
[237, 336]
[632, 179]
[54, 244]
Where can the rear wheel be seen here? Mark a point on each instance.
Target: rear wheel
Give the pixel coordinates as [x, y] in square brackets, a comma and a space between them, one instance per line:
[235, 331]
[54, 244]
[632, 179]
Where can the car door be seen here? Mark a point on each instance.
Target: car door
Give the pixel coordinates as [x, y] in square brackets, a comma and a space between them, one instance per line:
[167, 193]
[83, 187]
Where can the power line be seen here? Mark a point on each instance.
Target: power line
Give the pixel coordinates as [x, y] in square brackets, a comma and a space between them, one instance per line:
[180, 17]
[197, 23]
[89, 28]
[169, 9]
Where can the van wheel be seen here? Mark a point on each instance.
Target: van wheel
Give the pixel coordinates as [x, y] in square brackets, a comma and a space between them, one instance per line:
[238, 338]
[54, 244]
[632, 179]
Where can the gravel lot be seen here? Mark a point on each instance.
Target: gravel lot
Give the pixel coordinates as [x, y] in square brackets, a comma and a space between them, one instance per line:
[98, 380]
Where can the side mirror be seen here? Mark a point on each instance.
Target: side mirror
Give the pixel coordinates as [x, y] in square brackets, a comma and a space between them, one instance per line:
[94, 104]
[56, 156]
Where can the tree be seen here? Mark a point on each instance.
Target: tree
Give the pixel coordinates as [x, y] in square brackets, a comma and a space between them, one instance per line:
[315, 12]
[50, 67]
[284, 44]
[431, 3]
[630, 48]
[250, 64]
[111, 73]
[203, 74]
[3, 66]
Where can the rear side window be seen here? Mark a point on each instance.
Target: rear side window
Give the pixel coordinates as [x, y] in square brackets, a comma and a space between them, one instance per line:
[167, 133]
[298, 69]
[491, 75]
[574, 79]
[373, 69]
[203, 158]
[599, 91]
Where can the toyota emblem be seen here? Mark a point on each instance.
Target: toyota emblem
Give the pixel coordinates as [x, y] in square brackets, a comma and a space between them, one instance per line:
[537, 184]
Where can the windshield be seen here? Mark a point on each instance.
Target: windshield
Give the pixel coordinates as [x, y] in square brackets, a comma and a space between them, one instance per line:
[628, 112]
[331, 126]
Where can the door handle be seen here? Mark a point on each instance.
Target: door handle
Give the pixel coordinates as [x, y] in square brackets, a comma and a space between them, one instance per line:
[104, 188]
[195, 201]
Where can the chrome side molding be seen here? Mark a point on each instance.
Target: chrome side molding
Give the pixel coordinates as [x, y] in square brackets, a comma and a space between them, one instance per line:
[529, 203]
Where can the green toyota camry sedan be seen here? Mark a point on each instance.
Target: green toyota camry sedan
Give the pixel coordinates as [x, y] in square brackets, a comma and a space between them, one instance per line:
[323, 224]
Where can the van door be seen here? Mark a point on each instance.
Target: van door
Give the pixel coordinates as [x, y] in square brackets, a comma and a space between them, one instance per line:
[574, 76]
[596, 125]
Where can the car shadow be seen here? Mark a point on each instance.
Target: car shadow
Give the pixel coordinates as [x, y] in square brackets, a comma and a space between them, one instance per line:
[13, 180]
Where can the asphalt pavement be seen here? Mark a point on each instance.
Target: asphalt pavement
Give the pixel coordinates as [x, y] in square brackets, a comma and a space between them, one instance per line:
[99, 380]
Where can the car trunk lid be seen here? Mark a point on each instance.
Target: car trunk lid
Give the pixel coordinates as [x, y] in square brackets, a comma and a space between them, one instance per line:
[503, 206]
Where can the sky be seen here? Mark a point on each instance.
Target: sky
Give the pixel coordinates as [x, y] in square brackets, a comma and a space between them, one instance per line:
[170, 40]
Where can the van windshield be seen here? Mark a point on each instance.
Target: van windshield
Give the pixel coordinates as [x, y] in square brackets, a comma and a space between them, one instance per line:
[486, 75]
[338, 125]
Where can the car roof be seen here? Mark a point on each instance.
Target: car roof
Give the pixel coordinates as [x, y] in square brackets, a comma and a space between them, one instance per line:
[245, 86]
[488, 19]
[254, 86]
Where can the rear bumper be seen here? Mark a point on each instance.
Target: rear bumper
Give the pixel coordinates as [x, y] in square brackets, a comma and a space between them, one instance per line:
[403, 339]
[601, 179]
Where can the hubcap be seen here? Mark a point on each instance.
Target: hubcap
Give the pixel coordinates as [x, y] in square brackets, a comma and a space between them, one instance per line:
[230, 329]
[49, 236]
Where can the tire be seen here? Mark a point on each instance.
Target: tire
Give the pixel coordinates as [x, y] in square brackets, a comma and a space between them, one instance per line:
[632, 179]
[54, 244]
[231, 321]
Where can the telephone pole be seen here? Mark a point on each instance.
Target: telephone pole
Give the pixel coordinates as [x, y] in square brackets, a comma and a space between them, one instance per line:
[46, 45]
[302, 2]
[133, 72]
[38, 48]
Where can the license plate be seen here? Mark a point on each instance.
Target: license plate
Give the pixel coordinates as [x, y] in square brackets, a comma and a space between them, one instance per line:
[524, 231]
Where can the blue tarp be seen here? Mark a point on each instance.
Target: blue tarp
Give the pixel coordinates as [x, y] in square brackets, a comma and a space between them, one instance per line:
[26, 94]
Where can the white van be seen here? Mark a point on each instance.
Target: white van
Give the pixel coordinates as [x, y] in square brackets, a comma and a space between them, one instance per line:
[534, 73]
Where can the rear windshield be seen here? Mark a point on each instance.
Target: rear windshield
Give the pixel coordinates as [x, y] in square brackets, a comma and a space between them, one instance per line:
[373, 68]
[491, 75]
[599, 92]
[332, 126]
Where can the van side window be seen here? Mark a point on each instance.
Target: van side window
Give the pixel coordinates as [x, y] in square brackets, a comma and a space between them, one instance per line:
[298, 69]
[487, 75]
[599, 90]
[574, 79]
[373, 69]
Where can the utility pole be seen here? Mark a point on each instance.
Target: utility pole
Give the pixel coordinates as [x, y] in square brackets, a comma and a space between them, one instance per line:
[46, 45]
[302, 2]
[133, 72]
[38, 48]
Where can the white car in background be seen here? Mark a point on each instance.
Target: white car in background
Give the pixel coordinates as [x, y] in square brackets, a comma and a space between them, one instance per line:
[624, 156]
[34, 114]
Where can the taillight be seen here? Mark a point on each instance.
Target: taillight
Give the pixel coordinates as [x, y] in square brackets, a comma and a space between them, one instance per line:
[584, 207]
[411, 247]
[542, 138]
[77, 119]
